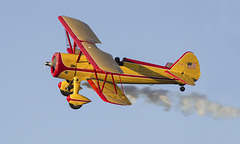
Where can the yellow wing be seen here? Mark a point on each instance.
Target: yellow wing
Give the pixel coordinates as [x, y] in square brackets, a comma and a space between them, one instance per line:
[104, 60]
[80, 29]
[85, 38]
[108, 94]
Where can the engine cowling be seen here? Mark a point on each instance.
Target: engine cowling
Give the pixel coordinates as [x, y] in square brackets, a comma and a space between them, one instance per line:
[63, 65]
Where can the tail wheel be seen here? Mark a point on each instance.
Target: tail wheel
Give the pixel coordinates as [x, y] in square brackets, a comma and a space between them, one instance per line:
[75, 106]
[182, 88]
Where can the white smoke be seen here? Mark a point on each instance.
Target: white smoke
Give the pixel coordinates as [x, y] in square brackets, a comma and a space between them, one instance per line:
[200, 104]
[187, 104]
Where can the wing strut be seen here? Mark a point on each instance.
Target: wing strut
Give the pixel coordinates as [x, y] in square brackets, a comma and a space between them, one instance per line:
[121, 84]
[114, 84]
[74, 47]
[80, 53]
[95, 72]
[109, 91]
[69, 42]
[104, 81]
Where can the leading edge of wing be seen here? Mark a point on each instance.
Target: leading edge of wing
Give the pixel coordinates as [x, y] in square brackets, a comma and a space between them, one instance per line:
[86, 43]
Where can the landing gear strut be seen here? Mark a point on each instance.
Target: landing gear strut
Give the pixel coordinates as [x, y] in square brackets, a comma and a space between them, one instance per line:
[182, 88]
[76, 100]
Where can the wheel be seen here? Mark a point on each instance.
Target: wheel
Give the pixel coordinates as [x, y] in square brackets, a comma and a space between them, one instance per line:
[182, 89]
[75, 106]
[65, 93]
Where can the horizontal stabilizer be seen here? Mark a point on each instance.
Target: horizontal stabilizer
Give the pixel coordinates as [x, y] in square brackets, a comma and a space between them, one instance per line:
[182, 77]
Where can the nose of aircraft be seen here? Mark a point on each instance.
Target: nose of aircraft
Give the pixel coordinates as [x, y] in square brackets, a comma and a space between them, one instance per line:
[56, 64]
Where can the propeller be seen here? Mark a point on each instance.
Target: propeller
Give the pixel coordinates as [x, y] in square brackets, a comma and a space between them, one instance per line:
[48, 64]
[46, 68]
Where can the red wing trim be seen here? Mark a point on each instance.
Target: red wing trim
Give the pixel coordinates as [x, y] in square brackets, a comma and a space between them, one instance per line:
[180, 58]
[78, 42]
[144, 63]
[175, 77]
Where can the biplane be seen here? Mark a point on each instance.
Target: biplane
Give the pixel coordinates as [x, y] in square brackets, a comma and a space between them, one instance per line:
[84, 61]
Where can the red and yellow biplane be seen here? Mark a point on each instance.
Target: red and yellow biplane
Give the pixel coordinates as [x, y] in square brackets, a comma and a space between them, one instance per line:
[86, 62]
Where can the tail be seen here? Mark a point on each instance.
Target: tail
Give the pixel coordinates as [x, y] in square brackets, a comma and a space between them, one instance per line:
[186, 69]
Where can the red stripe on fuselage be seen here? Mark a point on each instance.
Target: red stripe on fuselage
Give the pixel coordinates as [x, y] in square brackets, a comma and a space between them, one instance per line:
[144, 63]
[126, 75]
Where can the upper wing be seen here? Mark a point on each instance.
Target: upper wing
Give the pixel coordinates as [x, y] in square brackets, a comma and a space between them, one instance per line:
[81, 30]
[108, 94]
[85, 38]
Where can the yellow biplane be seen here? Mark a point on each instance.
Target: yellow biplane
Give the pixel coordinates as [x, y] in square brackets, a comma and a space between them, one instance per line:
[86, 62]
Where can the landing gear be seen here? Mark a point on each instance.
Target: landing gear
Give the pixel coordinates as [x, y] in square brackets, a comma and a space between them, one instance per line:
[75, 106]
[182, 88]
[66, 87]
[76, 100]
[65, 93]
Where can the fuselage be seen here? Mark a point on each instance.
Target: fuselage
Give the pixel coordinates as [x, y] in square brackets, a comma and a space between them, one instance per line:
[66, 66]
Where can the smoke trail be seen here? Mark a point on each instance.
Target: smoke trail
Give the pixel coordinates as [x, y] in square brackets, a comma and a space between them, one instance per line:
[187, 104]
[157, 97]
[203, 106]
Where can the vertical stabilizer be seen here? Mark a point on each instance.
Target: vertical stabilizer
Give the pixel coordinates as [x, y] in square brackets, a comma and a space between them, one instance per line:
[186, 69]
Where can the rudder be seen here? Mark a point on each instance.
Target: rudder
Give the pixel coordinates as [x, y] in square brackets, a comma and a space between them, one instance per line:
[187, 66]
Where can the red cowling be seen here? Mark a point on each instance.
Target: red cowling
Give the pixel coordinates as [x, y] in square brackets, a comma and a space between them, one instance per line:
[57, 65]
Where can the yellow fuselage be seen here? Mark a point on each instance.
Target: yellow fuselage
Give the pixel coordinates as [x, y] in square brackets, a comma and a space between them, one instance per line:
[67, 67]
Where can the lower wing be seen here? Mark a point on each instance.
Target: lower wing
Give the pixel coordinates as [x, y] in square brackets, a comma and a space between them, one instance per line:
[110, 93]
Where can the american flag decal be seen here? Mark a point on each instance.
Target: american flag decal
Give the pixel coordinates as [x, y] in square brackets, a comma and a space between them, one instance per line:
[191, 65]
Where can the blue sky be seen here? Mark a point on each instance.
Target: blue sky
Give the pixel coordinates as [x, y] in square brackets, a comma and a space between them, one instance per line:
[33, 111]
